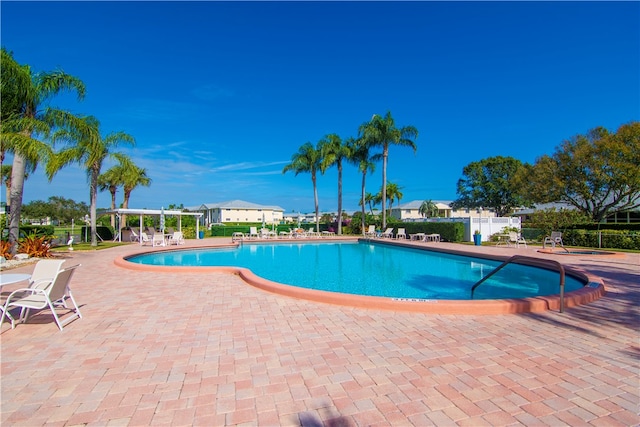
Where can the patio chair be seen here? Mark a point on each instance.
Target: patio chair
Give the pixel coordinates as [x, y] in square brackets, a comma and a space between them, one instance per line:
[554, 239]
[312, 233]
[401, 234]
[134, 236]
[388, 233]
[158, 240]
[44, 272]
[516, 239]
[177, 238]
[37, 299]
[370, 232]
[253, 232]
[144, 238]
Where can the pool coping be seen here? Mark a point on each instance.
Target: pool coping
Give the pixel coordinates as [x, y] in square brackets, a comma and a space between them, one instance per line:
[594, 289]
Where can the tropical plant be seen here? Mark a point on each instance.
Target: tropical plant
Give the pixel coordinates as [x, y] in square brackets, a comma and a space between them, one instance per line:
[428, 209]
[134, 177]
[597, 173]
[36, 246]
[89, 149]
[5, 249]
[492, 183]
[334, 152]
[382, 132]
[26, 123]
[308, 160]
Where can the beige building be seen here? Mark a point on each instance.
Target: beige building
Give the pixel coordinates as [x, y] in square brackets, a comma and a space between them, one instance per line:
[238, 211]
[411, 211]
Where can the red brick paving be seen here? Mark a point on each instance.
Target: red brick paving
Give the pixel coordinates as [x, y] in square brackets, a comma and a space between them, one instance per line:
[207, 349]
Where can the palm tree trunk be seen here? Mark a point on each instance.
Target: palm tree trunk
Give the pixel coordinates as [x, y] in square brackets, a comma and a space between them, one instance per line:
[339, 197]
[315, 199]
[364, 177]
[385, 154]
[15, 198]
[112, 190]
[125, 204]
[93, 190]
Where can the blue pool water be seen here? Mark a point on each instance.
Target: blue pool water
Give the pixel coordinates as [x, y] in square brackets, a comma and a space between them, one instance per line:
[373, 269]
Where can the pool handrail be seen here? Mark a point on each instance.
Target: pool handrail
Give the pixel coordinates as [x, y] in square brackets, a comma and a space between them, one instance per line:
[531, 260]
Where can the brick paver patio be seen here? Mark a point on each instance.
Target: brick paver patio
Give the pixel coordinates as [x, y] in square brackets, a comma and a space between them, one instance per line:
[207, 349]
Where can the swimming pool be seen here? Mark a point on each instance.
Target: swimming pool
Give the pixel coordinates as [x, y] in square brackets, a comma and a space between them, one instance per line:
[372, 269]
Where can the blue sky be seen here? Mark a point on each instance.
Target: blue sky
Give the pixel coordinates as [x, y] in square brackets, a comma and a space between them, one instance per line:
[220, 95]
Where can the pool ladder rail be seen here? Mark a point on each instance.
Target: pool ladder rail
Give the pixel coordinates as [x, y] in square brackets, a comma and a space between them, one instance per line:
[531, 261]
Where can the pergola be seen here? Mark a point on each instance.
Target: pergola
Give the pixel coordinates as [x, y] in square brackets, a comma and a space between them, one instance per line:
[151, 212]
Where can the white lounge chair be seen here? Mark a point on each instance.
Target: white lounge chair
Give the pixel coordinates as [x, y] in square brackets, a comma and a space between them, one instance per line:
[554, 239]
[388, 233]
[516, 239]
[312, 233]
[177, 238]
[401, 234]
[37, 299]
[253, 232]
[158, 240]
[144, 238]
[44, 272]
[370, 232]
[134, 236]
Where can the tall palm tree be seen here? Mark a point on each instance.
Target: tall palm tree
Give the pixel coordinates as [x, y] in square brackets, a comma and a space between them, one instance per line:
[112, 179]
[133, 176]
[308, 159]
[334, 152]
[26, 122]
[360, 156]
[89, 149]
[382, 132]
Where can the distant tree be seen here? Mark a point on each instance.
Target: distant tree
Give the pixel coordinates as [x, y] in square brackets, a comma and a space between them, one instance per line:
[133, 177]
[56, 208]
[26, 123]
[428, 209]
[382, 132]
[361, 157]
[334, 152]
[597, 173]
[491, 183]
[112, 179]
[371, 200]
[554, 219]
[308, 160]
[89, 148]
[394, 192]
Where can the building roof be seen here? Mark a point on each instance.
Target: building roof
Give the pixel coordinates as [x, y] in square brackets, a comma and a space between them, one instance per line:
[234, 204]
[440, 204]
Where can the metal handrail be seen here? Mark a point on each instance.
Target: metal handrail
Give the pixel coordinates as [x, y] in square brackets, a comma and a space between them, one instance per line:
[532, 260]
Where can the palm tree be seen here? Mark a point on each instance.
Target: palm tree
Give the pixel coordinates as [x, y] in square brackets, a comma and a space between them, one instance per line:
[382, 132]
[133, 176]
[428, 209]
[361, 157]
[89, 149]
[24, 121]
[393, 193]
[112, 179]
[334, 152]
[307, 159]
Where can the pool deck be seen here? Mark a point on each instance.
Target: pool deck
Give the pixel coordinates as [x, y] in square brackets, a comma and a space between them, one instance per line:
[207, 349]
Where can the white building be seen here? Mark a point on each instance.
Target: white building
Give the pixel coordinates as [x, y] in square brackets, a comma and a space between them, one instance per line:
[238, 211]
[411, 211]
